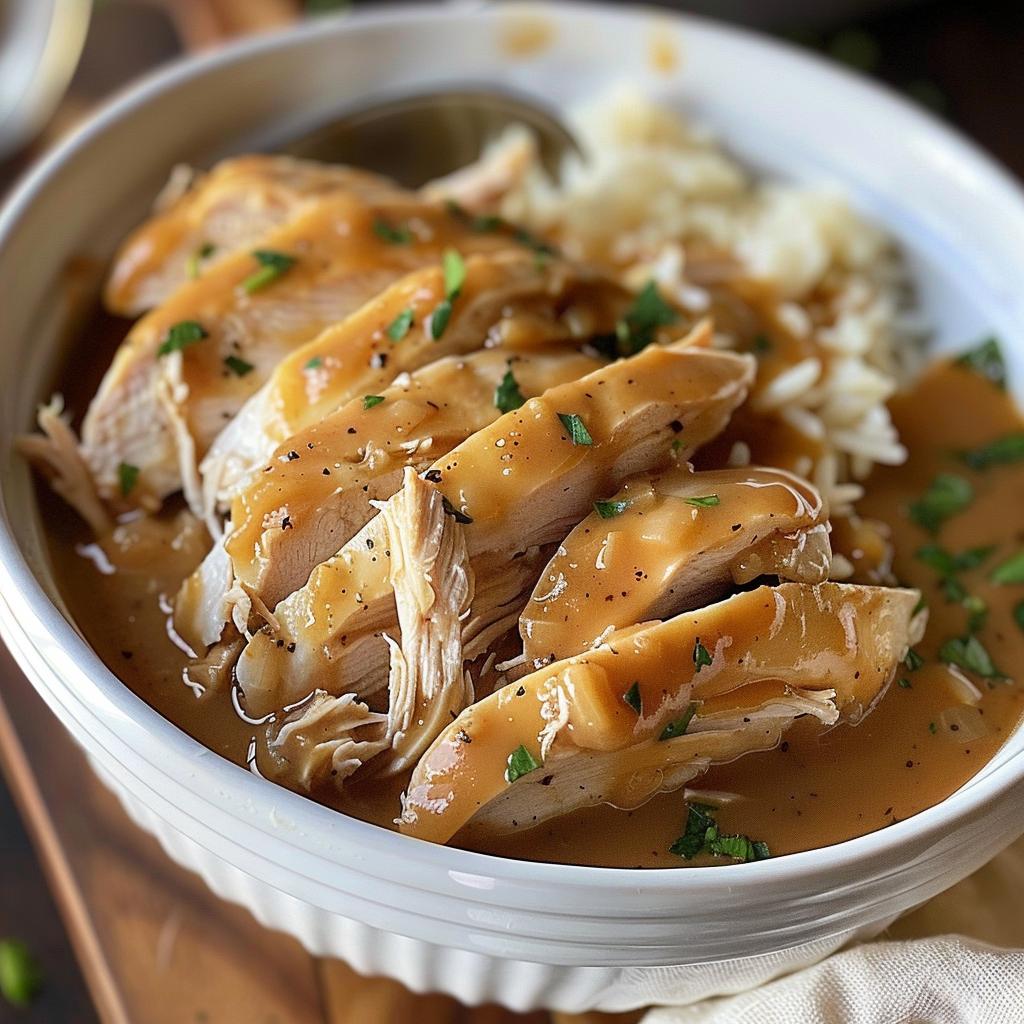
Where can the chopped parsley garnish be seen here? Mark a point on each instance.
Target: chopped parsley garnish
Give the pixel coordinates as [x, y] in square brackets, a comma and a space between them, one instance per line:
[977, 612]
[180, 335]
[390, 233]
[1000, 452]
[486, 223]
[1010, 571]
[707, 501]
[457, 514]
[399, 327]
[947, 495]
[913, 661]
[314, 364]
[635, 331]
[701, 657]
[610, 509]
[507, 395]
[578, 433]
[987, 361]
[933, 728]
[761, 344]
[948, 565]
[531, 241]
[1018, 614]
[969, 653]
[204, 252]
[678, 726]
[454, 273]
[701, 835]
[369, 401]
[239, 367]
[904, 684]
[20, 977]
[439, 318]
[454, 277]
[273, 265]
[633, 699]
[127, 477]
[677, 447]
[520, 762]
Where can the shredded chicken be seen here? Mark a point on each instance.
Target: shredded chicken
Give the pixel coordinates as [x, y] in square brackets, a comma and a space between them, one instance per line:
[56, 454]
[433, 586]
[656, 704]
[325, 741]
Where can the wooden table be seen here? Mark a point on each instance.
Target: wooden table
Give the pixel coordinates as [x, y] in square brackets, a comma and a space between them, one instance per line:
[154, 945]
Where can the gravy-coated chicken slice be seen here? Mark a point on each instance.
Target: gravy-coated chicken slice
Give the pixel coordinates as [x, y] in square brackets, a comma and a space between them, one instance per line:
[517, 485]
[501, 298]
[667, 543]
[315, 491]
[227, 209]
[656, 704]
[186, 368]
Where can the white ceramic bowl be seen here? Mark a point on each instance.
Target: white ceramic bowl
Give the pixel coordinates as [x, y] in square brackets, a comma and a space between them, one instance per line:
[481, 928]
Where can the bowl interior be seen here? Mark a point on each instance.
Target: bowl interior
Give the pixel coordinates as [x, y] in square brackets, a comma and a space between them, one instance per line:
[958, 217]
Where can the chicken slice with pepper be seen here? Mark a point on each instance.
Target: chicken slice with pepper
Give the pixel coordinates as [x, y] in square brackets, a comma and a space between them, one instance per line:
[501, 298]
[657, 704]
[315, 491]
[519, 484]
[667, 543]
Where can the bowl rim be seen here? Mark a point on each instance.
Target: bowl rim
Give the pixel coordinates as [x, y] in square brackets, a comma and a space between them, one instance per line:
[234, 785]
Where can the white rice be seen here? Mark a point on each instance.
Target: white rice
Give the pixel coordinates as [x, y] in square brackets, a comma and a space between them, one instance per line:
[652, 186]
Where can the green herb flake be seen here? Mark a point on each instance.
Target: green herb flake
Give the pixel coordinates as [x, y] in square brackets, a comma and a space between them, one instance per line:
[520, 762]
[1018, 614]
[635, 331]
[698, 822]
[633, 699]
[933, 728]
[1010, 571]
[532, 241]
[369, 401]
[677, 447]
[578, 433]
[487, 223]
[987, 361]
[1000, 452]
[127, 477]
[947, 495]
[969, 653]
[391, 233]
[707, 501]
[20, 977]
[439, 318]
[701, 834]
[454, 273]
[180, 335]
[678, 726]
[192, 264]
[611, 509]
[273, 265]
[314, 364]
[701, 657]
[399, 327]
[977, 612]
[761, 344]
[239, 367]
[913, 661]
[904, 684]
[507, 396]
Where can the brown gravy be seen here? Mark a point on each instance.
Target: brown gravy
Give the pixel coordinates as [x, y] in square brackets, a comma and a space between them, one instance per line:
[817, 788]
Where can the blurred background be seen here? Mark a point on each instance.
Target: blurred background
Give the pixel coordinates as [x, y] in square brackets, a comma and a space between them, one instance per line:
[60, 58]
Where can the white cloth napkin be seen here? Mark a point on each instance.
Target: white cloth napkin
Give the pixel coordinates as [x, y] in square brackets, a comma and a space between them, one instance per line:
[959, 959]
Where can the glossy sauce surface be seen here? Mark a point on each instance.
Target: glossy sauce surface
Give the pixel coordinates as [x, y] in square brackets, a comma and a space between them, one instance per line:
[816, 788]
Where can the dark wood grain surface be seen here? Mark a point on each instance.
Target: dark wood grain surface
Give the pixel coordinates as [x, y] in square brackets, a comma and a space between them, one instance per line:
[154, 944]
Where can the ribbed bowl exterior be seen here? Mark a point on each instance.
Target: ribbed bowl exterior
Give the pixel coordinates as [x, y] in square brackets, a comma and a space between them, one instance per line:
[481, 928]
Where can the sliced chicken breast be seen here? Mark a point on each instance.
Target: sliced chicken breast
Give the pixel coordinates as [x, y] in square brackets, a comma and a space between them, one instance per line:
[667, 543]
[228, 209]
[315, 491]
[517, 485]
[187, 367]
[504, 298]
[656, 704]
